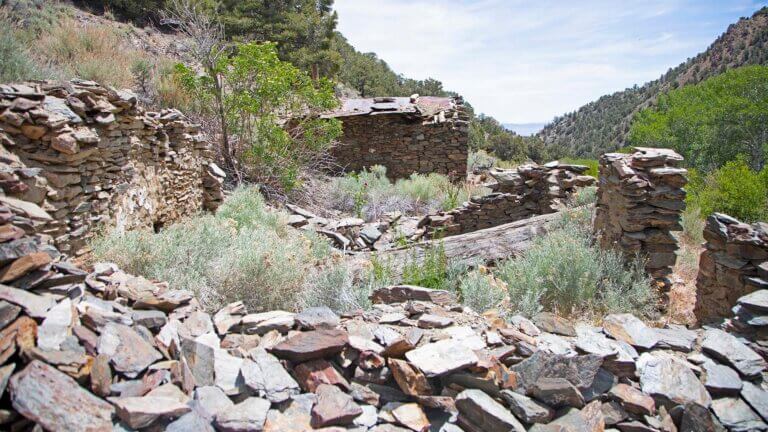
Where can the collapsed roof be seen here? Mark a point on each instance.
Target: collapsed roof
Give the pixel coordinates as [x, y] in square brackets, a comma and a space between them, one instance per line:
[431, 108]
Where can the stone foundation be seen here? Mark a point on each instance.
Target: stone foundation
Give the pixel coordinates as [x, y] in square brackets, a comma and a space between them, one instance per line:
[734, 263]
[422, 139]
[639, 201]
[89, 156]
[527, 191]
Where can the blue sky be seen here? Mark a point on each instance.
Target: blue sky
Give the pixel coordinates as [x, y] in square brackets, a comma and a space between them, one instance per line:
[528, 61]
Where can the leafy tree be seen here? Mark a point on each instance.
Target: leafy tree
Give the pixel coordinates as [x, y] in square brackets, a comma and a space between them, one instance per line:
[734, 189]
[255, 91]
[713, 122]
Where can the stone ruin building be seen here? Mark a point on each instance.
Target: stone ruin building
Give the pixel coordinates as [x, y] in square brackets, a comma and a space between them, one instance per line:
[420, 134]
[89, 156]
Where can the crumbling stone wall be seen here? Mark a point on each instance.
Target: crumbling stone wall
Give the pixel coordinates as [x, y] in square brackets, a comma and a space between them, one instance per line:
[521, 193]
[639, 201]
[404, 144]
[733, 264]
[91, 156]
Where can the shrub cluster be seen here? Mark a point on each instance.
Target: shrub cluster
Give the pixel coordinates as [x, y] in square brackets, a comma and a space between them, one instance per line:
[369, 194]
[734, 189]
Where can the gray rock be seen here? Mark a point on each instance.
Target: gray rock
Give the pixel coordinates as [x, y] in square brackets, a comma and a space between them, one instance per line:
[579, 370]
[295, 417]
[557, 393]
[191, 421]
[200, 359]
[551, 323]
[247, 416]
[56, 402]
[311, 345]
[669, 381]
[485, 413]
[263, 323]
[721, 380]
[430, 321]
[604, 381]
[696, 418]
[34, 305]
[56, 326]
[210, 400]
[267, 377]
[756, 301]
[726, 348]
[736, 415]
[333, 407]
[151, 319]
[756, 397]
[317, 318]
[630, 329]
[140, 412]
[440, 358]
[676, 337]
[128, 352]
[226, 372]
[527, 409]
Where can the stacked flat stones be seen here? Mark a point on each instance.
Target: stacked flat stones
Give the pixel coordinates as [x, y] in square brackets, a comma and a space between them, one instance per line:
[107, 351]
[91, 156]
[640, 199]
[734, 263]
[521, 193]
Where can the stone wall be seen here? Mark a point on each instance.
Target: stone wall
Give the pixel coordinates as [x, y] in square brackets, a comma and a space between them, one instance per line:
[639, 201]
[405, 142]
[524, 192]
[733, 264]
[90, 156]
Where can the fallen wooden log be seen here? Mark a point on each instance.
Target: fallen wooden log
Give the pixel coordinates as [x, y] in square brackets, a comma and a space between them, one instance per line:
[477, 247]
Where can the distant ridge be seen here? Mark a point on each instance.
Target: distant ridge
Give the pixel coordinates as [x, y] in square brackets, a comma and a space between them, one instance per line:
[524, 129]
[603, 125]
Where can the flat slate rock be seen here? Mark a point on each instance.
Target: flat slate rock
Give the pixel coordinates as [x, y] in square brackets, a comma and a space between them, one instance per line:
[442, 357]
[630, 329]
[670, 381]
[56, 402]
[756, 301]
[697, 418]
[720, 380]
[676, 337]
[551, 323]
[737, 416]
[267, 377]
[333, 407]
[589, 419]
[140, 412]
[311, 345]
[557, 393]
[527, 409]
[485, 413]
[249, 415]
[756, 397]
[727, 349]
[578, 370]
[191, 421]
[404, 293]
[317, 318]
[128, 352]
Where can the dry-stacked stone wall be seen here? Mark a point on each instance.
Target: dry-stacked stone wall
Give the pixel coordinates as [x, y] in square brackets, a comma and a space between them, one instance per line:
[733, 264]
[91, 156]
[521, 193]
[640, 198]
[405, 143]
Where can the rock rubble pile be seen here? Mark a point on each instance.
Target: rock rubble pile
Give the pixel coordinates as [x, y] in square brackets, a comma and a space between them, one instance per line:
[520, 193]
[105, 350]
[734, 263]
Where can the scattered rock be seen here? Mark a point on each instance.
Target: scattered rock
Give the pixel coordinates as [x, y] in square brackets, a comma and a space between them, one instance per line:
[483, 413]
[311, 345]
[440, 358]
[726, 348]
[333, 407]
[246, 416]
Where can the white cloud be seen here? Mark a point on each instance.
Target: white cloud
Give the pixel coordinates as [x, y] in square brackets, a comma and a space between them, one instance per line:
[523, 61]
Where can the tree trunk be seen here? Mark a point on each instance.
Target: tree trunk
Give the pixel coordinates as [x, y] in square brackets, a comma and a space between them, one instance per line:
[226, 151]
[478, 247]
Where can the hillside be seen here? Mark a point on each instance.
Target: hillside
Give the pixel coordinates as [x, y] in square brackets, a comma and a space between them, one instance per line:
[603, 125]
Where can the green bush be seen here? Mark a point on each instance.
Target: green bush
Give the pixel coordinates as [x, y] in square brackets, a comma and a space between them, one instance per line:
[369, 193]
[16, 64]
[591, 163]
[477, 291]
[564, 272]
[734, 189]
[245, 252]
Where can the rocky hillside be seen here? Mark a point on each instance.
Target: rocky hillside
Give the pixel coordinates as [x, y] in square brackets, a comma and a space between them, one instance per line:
[603, 125]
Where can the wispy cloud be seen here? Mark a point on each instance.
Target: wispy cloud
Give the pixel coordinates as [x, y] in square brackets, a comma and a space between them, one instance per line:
[523, 61]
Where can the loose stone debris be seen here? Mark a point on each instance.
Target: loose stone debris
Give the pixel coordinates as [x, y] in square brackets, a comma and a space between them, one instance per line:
[102, 350]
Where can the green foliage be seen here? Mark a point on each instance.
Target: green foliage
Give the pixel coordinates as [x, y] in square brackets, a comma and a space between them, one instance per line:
[564, 272]
[593, 164]
[369, 193]
[735, 189]
[478, 291]
[713, 122]
[433, 269]
[257, 91]
[244, 252]
[16, 64]
[603, 125]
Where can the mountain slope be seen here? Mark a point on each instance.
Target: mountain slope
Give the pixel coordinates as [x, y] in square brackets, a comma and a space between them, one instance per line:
[602, 125]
